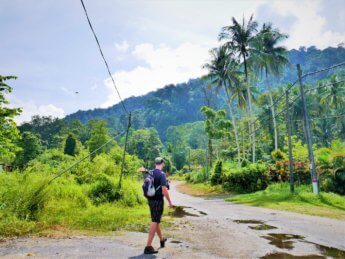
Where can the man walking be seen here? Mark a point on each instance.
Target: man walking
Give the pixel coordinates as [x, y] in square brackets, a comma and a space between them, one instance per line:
[156, 204]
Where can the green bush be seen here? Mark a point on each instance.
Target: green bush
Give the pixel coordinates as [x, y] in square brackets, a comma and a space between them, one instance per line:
[339, 182]
[331, 167]
[104, 190]
[252, 178]
[216, 177]
[196, 177]
[278, 155]
[333, 182]
[188, 177]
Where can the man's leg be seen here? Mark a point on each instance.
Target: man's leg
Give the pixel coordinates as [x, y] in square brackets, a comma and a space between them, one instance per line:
[153, 230]
[159, 232]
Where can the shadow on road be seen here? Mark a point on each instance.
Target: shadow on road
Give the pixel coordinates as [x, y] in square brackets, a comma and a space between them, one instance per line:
[143, 256]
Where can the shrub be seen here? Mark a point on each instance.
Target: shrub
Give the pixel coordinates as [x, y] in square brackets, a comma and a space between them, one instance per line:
[278, 155]
[331, 167]
[196, 177]
[244, 163]
[279, 172]
[216, 177]
[339, 182]
[188, 177]
[252, 178]
[104, 190]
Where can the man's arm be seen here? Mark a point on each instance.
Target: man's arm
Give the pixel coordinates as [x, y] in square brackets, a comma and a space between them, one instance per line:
[166, 195]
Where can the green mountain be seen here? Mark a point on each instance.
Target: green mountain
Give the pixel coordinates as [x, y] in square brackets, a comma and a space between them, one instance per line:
[179, 104]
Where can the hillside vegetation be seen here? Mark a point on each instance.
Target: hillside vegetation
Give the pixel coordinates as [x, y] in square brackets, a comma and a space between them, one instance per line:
[178, 104]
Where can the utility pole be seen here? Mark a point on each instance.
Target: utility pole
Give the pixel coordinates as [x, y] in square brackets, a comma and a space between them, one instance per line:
[314, 179]
[124, 149]
[288, 129]
[189, 158]
[206, 163]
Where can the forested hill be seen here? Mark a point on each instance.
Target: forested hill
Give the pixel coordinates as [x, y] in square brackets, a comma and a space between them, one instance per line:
[171, 105]
[179, 104]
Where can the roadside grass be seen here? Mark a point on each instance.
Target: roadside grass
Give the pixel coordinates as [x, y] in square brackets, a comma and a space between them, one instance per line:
[278, 196]
[178, 177]
[201, 189]
[66, 206]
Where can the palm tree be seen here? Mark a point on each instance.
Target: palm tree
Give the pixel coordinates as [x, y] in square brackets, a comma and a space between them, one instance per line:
[224, 72]
[334, 98]
[321, 128]
[239, 37]
[334, 95]
[269, 58]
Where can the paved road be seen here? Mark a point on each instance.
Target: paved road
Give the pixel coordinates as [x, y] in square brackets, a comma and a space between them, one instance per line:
[210, 231]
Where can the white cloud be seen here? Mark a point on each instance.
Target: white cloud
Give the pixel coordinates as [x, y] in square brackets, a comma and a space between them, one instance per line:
[122, 47]
[308, 28]
[164, 65]
[30, 108]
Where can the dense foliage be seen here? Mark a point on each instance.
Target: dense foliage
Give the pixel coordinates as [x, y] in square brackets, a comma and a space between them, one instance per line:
[9, 133]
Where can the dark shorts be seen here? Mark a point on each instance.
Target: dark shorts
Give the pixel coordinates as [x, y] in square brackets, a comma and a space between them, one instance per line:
[156, 210]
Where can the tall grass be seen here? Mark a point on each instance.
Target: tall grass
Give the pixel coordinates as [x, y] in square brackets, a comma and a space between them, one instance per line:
[28, 205]
[86, 198]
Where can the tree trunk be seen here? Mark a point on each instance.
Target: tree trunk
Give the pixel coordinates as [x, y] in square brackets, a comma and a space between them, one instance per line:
[235, 127]
[243, 146]
[210, 150]
[252, 128]
[272, 111]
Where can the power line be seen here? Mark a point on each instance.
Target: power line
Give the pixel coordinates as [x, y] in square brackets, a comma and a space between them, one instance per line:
[268, 116]
[324, 118]
[105, 61]
[324, 86]
[277, 100]
[310, 119]
[324, 69]
[290, 87]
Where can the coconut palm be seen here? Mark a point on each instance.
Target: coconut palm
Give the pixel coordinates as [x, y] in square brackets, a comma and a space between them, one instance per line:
[238, 37]
[334, 99]
[334, 96]
[224, 73]
[268, 57]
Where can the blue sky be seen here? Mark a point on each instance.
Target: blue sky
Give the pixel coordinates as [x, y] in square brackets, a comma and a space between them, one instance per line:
[148, 44]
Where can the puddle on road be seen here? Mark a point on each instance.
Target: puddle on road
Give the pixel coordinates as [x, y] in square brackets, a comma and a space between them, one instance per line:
[202, 213]
[286, 236]
[248, 221]
[290, 256]
[329, 251]
[262, 227]
[286, 241]
[180, 212]
[176, 242]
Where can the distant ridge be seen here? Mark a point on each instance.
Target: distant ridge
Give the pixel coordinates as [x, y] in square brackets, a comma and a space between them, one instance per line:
[179, 104]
